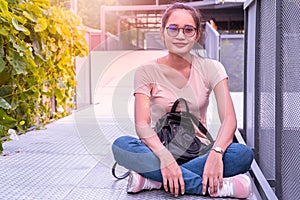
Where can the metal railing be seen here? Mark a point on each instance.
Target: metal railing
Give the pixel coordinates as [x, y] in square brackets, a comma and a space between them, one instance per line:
[265, 188]
[212, 42]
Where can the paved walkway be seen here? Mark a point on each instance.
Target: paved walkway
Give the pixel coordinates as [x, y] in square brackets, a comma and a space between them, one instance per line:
[70, 159]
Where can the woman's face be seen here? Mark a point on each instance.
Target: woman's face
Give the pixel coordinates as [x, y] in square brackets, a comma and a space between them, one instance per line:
[181, 44]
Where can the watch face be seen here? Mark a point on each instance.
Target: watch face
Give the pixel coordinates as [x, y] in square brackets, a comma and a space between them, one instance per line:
[218, 149]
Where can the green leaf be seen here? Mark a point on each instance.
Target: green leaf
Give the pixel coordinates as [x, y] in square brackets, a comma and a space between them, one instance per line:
[66, 31]
[1, 147]
[52, 29]
[4, 77]
[58, 30]
[29, 16]
[6, 120]
[19, 18]
[3, 31]
[4, 104]
[2, 64]
[2, 47]
[20, 27]
[58, 93]
[41, 25]
[5, 90]
[3, 6]
[31, 63]
[18, 47]
[18, 64]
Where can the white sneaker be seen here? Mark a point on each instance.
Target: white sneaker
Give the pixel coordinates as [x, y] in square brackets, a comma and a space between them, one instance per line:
[238, 186]
[137, 183]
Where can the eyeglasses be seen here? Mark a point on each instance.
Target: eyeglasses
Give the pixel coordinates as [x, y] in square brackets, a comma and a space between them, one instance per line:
[187, 30]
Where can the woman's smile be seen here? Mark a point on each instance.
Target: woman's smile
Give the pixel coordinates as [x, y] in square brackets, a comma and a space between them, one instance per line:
[179, 44]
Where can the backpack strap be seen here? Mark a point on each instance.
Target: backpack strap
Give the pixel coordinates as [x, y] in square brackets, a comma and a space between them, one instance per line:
[173, 109]
[121, 176]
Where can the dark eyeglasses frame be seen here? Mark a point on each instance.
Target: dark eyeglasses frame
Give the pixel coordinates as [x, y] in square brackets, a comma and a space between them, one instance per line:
[183, 30]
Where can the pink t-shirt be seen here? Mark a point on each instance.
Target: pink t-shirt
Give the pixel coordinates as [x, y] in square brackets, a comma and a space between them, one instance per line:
[163, 85]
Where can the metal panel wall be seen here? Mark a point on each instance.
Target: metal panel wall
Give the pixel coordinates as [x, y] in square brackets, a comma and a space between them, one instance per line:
[276, 80]
[288, 70]
[265, 87]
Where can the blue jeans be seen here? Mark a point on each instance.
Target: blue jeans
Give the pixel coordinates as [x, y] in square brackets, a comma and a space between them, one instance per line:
[133, 154]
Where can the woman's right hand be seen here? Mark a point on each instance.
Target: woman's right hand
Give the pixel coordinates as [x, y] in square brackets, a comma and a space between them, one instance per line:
[171, 174]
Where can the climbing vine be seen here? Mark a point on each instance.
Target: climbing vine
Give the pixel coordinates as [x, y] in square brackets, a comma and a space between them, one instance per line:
[38, 46]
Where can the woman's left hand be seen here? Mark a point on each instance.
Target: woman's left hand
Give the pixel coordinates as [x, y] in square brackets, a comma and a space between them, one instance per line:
[213, 173]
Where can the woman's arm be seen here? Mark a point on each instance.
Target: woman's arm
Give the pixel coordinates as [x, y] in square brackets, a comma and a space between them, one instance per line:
[213, 170]
[142, 123]
[170, 170]
[226, 114]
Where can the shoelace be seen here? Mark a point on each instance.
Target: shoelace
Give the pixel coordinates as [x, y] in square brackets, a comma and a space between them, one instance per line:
[227, 189]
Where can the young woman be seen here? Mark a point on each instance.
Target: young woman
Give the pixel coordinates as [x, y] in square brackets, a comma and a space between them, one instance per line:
[157, 85]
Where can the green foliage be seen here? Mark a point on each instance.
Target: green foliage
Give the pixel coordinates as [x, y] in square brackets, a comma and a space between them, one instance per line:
[38, 46]
[90, 11]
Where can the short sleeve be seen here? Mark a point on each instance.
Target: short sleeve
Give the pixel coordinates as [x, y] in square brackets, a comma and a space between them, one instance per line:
[215, 73]
[142, 81]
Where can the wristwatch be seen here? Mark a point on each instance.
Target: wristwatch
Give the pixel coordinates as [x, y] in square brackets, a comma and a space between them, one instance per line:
[218, 150]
